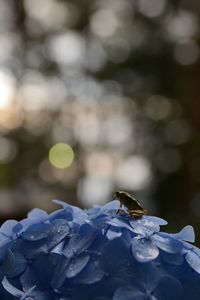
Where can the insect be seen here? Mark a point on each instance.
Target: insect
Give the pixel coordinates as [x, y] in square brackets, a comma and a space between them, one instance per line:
[134, 208]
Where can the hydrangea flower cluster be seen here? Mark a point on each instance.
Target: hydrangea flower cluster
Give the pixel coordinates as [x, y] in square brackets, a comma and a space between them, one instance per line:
[96, 254]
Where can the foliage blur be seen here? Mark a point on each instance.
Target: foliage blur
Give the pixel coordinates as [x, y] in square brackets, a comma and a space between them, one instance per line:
[118, 81]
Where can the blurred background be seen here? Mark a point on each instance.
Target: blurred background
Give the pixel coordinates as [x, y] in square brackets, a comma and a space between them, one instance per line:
[98, 96]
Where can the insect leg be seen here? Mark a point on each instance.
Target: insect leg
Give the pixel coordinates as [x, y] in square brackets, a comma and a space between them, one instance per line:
[121, 211]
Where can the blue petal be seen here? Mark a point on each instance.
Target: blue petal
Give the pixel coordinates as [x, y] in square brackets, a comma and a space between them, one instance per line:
[72, 246]
[65, 214]
[119, 223]
[11, 289]
[58, 249]
[34, 293]
[58, 231]
[193, 259]
[62, 203]
[68, 268]
[191, 288]
[4, 239]
[109, 207]
[144, 250]
[166, 243]
[169, 288]
[92, 273]
[26, 223]
[186, 234]
[128, 293]
[77, 244]
[118, 264]
[5, 242]
[84, 244]
[28, 279]
[38, 215]
[172, 259]
[145, 226]
[115, 251]
[156, 220]
[86, 229]
[14, 264]
[102, 298]
[36, 232]
[112, 205]
[74, 211]
[112, 234]
[85, 292]
[143, 231]
[147, 275]
[98, 245]
[30, 249]
[7, 227]
[76, 265]
[17, 228]
[79, 216]
[93, 210]
[196, 250]
[41, 273]
[59, 274]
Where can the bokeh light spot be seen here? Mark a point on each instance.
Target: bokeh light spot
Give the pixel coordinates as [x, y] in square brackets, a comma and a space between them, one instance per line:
[61, 155]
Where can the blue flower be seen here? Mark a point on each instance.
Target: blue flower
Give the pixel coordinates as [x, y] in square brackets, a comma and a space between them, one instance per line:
[96, 254]
[27, 294]
[165, 288]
